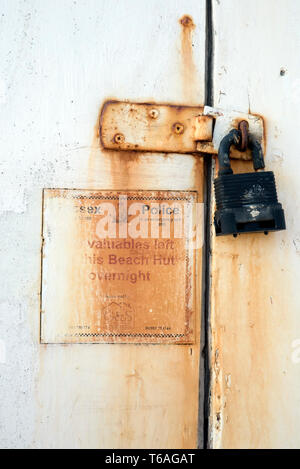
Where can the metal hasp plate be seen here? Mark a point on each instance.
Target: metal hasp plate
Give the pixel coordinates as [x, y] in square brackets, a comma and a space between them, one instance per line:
[110, 263]
[152, 127]
[171, 129]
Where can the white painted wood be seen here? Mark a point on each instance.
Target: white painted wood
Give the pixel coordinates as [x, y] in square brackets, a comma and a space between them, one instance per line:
[255, 323]
[59, 61]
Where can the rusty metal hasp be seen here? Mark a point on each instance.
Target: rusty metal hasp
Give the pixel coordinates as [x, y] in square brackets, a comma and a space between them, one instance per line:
[172, 129]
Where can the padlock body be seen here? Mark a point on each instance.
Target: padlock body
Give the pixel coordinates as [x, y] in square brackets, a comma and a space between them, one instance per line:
[247, 203]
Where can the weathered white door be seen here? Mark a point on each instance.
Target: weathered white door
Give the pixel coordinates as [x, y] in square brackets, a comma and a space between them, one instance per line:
[255, 325]
[60, 61]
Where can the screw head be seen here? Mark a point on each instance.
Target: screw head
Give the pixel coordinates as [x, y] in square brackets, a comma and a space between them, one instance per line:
[153, 113]
[119, 138]
[178, 128]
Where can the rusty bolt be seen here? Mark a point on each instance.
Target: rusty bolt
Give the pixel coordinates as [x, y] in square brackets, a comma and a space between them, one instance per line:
[178, 128]
[119, 138]
[154, 113]
[187, 21]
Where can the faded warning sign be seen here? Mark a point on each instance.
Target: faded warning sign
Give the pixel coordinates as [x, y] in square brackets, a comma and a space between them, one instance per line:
[118, 266]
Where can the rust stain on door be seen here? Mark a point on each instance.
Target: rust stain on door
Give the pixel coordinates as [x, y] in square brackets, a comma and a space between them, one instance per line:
[189, 71]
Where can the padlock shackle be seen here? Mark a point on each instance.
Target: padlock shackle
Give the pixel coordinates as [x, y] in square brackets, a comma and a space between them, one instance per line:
[257, 153]
[233, 138]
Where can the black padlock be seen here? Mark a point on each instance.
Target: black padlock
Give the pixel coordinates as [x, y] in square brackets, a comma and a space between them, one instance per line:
[246, 202]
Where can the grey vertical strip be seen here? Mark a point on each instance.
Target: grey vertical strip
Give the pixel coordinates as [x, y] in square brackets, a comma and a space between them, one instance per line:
[209, 54]
[208, 172]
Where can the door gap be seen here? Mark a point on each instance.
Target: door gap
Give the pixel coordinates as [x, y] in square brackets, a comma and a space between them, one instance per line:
[205, 376]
